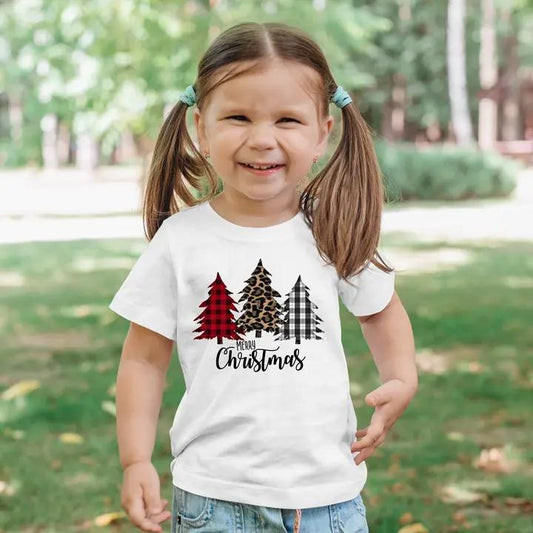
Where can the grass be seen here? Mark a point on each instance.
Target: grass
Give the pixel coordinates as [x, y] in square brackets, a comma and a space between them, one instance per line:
[474, 339]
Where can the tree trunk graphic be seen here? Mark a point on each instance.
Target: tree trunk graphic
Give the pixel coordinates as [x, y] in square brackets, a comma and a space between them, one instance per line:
[299, 321]
[217, 320]
[261, 311]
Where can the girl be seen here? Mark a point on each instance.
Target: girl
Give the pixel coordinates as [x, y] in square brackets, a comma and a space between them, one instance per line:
[247, 283]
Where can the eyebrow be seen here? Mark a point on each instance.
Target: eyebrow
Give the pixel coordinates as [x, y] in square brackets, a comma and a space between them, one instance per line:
[242, 109]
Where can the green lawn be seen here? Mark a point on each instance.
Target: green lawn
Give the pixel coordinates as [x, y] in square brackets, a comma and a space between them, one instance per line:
[474, 335]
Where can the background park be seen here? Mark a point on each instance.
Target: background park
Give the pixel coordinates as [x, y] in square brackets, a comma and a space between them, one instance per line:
[447, 88]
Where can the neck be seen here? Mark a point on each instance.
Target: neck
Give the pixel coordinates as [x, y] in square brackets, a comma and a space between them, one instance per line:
[246, 211]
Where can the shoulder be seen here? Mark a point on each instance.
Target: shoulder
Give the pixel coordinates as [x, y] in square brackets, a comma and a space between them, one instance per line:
[185, 226]
[186, 217]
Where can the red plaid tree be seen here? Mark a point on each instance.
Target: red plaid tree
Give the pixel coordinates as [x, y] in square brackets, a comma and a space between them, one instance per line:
[216, 320]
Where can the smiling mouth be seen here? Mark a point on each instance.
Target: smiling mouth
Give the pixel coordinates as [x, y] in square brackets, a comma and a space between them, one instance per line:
[261, 167]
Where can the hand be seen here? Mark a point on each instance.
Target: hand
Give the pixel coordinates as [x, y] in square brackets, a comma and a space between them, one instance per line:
[140, 497]
[390, 400]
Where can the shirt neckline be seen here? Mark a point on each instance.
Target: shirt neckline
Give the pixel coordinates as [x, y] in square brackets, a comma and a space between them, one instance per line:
[226, 228]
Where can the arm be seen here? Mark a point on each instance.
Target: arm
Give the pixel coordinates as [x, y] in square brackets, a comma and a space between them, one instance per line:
[390, 338]
[139, 390]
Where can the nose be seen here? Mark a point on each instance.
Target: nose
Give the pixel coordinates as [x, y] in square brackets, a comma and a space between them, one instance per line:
[261, 137]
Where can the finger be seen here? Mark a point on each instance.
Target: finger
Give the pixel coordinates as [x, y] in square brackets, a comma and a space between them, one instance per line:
[134, 508]
[361, 445]
[363, 455]
[158, 518]
[368, 440]
[370, 449]
[361, 432]
[162, 515]
[376, 397]
[382, 394]
[138, 518]
[164, 503]
[148, 525]
[152, 499]
[379, 441]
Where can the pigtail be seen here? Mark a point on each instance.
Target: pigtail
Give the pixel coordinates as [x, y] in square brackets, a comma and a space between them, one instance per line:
[343, 203]
[176, 161]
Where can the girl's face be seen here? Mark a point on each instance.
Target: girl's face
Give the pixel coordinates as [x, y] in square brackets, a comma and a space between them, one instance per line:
[266, 117]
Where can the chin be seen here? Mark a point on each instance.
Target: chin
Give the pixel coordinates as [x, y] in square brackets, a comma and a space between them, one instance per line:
[265, 192]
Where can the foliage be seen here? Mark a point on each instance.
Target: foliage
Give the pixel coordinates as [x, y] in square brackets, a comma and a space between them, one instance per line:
[107, 66]
[444, 172]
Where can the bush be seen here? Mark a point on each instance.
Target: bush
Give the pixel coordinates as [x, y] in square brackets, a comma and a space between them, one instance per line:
[19, 154]
[444, 172]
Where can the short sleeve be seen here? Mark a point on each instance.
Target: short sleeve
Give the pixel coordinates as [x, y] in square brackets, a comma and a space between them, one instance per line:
[372, 290]
[148, 294]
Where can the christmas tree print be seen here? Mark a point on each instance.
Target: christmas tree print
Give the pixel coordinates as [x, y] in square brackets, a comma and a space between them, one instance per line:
[261, 311]
[299, 321]
[217, 320]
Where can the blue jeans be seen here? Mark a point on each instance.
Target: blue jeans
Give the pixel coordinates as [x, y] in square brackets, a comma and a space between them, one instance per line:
[199, 514]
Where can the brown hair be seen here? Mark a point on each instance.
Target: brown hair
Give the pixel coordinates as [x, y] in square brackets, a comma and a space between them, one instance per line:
[342, 204]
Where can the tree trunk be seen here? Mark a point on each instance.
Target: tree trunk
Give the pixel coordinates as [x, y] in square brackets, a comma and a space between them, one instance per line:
[126, 149]
[87, 152]
[15, 118]
[397, 114]
[456, 60]
[49, 128]
[145, 148]
[386, 122]
[63, 144]
[511, 103]
[393, 120]
[488, 76]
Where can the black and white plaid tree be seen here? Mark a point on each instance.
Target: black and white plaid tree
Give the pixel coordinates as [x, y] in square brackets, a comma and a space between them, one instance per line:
[299, 318]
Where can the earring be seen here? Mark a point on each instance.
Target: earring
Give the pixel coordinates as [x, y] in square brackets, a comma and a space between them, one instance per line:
[314, 165]
[206, 155]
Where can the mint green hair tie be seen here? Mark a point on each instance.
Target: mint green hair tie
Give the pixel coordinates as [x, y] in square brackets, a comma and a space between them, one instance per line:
[340, 97]
[188, 96]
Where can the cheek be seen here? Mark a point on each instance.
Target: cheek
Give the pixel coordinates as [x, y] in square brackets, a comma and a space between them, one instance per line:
[298, 150]
[228, 138]
[297, 141]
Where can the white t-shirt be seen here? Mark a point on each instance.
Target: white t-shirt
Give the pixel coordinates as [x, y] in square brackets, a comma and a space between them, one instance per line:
[267, 417]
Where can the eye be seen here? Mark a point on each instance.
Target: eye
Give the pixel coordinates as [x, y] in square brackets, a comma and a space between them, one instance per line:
[242, 117]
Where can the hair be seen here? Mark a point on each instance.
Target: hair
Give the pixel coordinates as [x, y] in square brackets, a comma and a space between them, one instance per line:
[342, 204]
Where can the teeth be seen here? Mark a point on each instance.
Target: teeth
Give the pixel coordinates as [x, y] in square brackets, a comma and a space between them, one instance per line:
[261, 167]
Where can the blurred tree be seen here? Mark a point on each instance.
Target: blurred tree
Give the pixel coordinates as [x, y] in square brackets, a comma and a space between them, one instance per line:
[103, 72]
[488, 76]
[108, 67]
[461, 123]
[510, 124]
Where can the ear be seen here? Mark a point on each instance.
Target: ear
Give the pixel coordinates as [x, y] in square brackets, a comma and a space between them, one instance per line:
[200, 130]
[325, 130]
